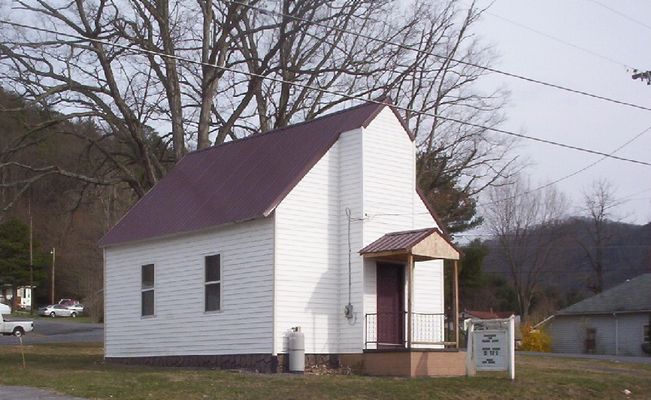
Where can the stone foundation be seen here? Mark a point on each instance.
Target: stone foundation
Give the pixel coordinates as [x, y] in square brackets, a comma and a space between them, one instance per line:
[389, 363]
[331, 361]
[265, 363]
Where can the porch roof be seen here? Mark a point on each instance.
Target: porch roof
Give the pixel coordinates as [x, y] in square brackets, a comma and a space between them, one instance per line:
[423, 244]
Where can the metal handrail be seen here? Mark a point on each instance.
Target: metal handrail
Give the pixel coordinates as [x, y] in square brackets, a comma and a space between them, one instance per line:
[427, 329]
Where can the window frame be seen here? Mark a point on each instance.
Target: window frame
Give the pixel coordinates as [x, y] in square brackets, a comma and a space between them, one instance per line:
[146, 289]
[646, 333]
[207, 283]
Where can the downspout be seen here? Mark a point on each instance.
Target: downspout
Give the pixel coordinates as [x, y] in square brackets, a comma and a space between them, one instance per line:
[348, 309]
[616, 334]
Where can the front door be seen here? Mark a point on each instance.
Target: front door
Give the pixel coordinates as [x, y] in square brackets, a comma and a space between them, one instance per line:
[390, 305]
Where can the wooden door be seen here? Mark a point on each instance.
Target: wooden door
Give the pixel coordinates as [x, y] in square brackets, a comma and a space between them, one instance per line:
[390, 305]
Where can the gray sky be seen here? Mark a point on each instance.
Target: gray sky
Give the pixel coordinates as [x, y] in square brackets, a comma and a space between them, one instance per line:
[574, 119]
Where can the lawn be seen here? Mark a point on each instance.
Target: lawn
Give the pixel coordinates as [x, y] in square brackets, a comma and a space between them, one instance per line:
[18, 315]
[80, 370]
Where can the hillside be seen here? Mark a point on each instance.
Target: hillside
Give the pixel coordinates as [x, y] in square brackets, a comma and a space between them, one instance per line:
[567, 277]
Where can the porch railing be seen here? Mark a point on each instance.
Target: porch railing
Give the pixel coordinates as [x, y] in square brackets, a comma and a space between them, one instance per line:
[427, 330]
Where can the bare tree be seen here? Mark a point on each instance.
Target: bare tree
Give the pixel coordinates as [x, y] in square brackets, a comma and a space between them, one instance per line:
[598, 202]
[525, 225]
[132, 68]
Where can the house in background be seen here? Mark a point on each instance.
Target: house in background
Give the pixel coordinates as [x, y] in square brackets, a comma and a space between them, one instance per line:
[6, 293]
[23, 296]
[318, 225]
[615, 321]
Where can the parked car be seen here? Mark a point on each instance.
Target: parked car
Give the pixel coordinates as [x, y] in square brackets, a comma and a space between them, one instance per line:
[68, 302]
[57, 310]
[4, 309]
[16, 328]
[79, 308]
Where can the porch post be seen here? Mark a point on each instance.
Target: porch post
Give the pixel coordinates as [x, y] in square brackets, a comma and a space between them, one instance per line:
[410, 297]
[456, 303]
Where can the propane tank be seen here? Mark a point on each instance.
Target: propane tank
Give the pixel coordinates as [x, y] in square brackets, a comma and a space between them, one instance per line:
[296, 351]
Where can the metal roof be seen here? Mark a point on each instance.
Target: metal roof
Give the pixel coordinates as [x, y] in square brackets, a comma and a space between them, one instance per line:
[630, 296]
[235, 181]
[398, 241]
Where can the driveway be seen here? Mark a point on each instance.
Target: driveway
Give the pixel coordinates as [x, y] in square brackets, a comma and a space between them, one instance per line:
[27, 393]
[624, 359]
[59, 331]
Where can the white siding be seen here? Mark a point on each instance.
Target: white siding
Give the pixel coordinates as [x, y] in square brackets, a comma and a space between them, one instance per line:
[180, 325]
[351, 186]
[312, 253]
[568, 333]
[391, 203]
[307, 259]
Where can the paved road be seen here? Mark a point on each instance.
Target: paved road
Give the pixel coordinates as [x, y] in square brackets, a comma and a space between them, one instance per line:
[59, 331]
[624, 359]
[27, 393]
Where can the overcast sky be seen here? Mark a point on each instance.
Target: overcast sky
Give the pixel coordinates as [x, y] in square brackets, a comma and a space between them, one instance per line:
[574, 119]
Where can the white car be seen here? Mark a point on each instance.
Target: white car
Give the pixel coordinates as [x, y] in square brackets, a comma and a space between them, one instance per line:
[79, 308]
[57, 310]
[4, 309]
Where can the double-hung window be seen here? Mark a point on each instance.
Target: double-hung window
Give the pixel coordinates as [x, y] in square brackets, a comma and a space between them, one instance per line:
[147, 290]
[213, 281]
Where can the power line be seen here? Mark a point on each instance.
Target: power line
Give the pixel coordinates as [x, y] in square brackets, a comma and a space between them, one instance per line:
[331, 92]
[571, 174]
[556, 181]
[621, 14]
[411, 48]
[559, 40]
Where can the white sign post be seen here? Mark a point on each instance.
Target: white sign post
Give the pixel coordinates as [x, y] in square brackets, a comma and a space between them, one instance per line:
[491, 346]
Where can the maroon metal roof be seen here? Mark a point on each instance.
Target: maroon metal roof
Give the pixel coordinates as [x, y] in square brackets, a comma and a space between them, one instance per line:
[235, 181]
[397, 241]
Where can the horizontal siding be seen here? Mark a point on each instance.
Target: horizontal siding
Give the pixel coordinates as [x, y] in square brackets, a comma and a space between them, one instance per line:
[389, 177]
[180, 325]
[428, 299]
[351, 185]
[428, 287]
[568, 333]
[391, 203]
[631, 334]
[307, 264]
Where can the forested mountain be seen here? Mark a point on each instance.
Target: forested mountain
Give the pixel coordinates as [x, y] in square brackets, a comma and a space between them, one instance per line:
[68, 214]
[569, 276]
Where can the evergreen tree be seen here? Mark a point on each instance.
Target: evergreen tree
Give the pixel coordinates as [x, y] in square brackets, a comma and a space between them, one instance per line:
[14, 257]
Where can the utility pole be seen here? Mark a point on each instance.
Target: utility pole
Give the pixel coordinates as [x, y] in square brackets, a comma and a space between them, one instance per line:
[54, 254]
[31, 259]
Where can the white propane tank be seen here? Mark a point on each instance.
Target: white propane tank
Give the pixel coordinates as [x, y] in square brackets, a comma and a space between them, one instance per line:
[296, 350]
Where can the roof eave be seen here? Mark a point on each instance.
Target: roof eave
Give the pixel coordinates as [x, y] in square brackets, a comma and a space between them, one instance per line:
[578, 313]
[179, 234]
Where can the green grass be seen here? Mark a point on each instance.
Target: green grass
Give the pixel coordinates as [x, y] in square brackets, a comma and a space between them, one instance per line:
[80, 370]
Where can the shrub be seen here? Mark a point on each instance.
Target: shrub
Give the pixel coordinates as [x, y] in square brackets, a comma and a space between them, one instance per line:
[535, 339]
